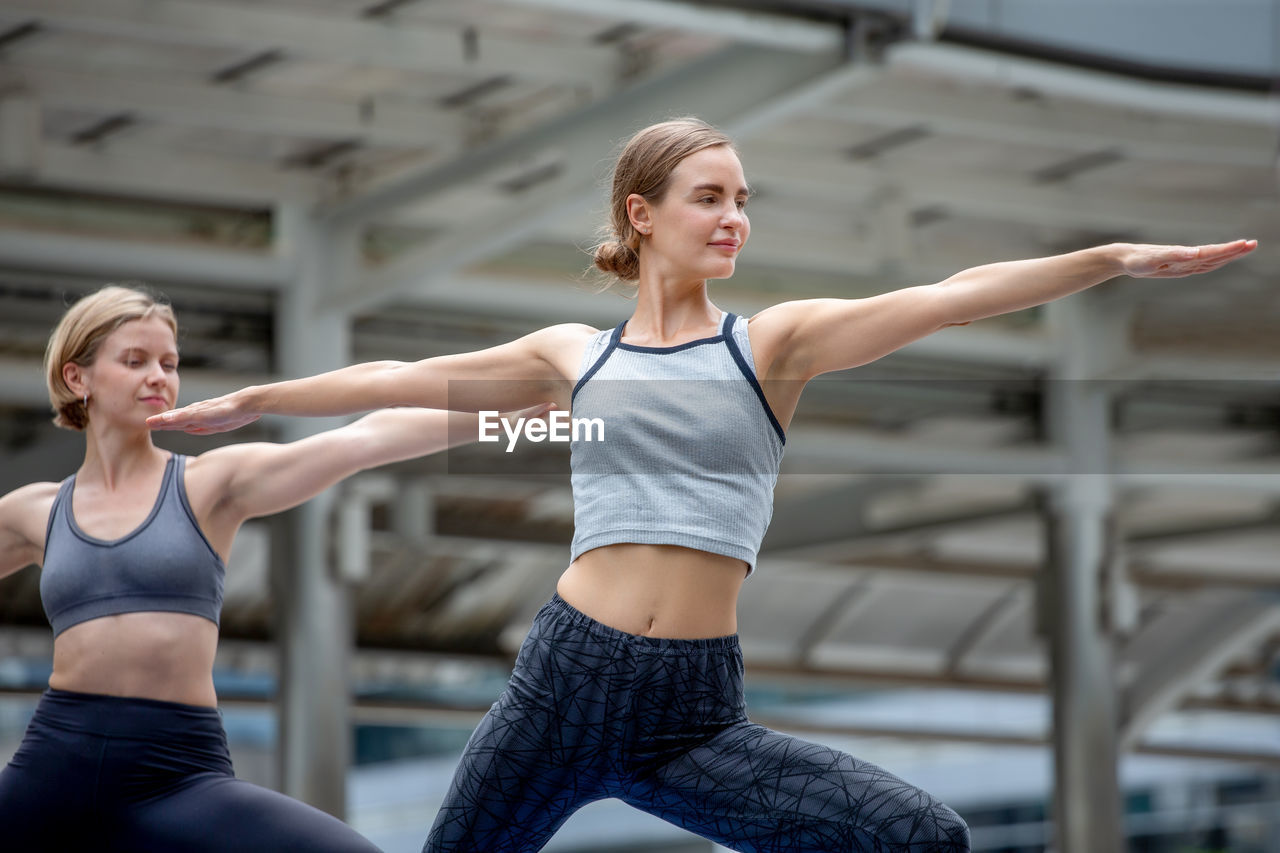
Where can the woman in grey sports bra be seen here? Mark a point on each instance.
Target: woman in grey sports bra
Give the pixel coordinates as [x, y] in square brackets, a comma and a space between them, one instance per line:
[126, 750]
[629, 684]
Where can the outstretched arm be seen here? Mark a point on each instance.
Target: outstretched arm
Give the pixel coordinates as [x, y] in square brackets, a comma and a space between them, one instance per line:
[249, 480]
[821, 335]
[514, 375]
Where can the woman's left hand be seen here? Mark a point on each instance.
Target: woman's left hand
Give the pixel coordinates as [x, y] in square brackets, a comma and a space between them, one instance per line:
[1146, 261]
[206, 417]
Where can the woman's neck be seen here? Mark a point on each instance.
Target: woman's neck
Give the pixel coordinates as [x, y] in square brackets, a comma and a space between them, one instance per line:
[669, 310]
[111, 456]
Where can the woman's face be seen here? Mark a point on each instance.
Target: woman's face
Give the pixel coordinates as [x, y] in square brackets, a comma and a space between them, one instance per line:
[135, 373]
[700, 225]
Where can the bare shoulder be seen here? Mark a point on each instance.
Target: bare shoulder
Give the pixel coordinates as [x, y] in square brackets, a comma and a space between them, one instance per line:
[786, 316]
[562, 346]
[25, 511]
[211, 475]
[217, 462]
[564, 333]
[211, 471]
[33, 496]
[776, 333]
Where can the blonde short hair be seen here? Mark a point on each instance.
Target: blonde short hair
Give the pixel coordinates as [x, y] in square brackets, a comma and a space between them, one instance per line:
[644, 167]
[81, 332]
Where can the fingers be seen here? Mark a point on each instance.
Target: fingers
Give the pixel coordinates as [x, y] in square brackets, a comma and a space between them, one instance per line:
[174, 419]
[199, 419]
[1233, 249]
[1181, 261]
[1215, 256]
[164, 420]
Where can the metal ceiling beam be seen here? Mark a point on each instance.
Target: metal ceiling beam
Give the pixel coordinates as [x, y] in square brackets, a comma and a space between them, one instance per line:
[1140, 367]
[729, 87]
[812, 449]
[1002, 197]
[1183, 530]
[856, 558]
[202, 105]
[1260, 478]
[960, 64]
[137, 170]
[107, 258]
[809, 523]
[860, 555]
[543, 302]
[248, 28]
[838, 514]
[759, 28]
[999, 117]
[994, 618]
[725, 88]
[847, 604]
[1187, 646]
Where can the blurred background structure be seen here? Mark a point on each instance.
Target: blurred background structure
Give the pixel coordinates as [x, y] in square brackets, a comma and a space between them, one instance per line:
[1032, 564]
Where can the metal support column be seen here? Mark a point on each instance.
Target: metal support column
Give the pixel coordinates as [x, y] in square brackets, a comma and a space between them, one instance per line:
[1073, 603]
[314, 613]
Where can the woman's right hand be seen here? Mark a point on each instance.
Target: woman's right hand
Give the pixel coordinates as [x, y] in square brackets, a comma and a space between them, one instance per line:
[220, 414]
[1155, 261]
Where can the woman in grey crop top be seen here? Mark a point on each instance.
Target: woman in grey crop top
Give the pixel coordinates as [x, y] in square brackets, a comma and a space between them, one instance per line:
[126, 750]
[629, 684]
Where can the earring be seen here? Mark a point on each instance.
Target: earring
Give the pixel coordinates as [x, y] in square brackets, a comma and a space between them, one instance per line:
[86, 399]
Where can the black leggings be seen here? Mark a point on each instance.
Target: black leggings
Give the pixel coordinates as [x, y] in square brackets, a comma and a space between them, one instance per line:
[106, 773]
[591, 713]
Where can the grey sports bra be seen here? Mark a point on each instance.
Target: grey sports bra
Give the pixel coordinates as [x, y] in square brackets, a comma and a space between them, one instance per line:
[165, 564]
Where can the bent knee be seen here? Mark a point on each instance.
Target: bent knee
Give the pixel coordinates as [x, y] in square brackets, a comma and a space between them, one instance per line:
[943, 832]
[932, 828]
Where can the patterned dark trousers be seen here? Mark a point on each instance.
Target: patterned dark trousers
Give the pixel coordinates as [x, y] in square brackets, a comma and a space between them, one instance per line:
[591, 713]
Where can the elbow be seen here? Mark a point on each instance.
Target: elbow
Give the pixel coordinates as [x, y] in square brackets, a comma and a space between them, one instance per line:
[949, 305]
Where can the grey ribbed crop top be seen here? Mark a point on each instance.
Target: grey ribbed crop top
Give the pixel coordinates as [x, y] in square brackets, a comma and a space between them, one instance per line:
[690, 449]
[165, 564]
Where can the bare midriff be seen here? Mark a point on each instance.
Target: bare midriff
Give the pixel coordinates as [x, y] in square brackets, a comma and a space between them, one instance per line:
[656, 590]
[164, 656]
